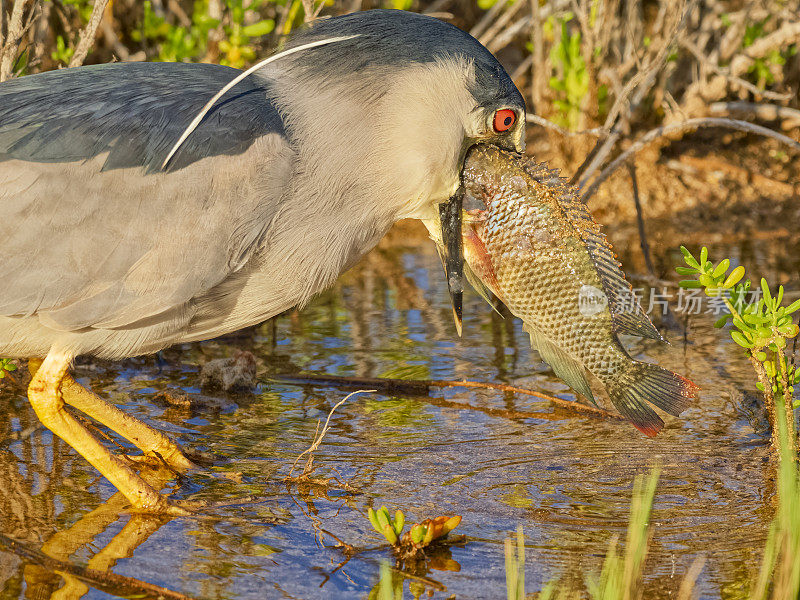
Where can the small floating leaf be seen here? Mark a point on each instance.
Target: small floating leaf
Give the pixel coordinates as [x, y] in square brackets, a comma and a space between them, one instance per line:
[373, 518]
[451, 524]
[389, 534]
[764, 332]
[706, 280]
[755, 319]
[383, 518]
[399, 521]
[428, 535]
[417, 533]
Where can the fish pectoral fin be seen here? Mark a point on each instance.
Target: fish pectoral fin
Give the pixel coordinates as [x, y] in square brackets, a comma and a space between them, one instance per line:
[480, 288]
[567, 368]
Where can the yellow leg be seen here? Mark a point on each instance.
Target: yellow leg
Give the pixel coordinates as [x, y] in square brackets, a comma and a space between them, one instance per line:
[150, 441]
[44, 393]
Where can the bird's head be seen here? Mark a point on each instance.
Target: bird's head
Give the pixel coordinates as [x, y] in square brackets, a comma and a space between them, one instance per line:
[403, 99]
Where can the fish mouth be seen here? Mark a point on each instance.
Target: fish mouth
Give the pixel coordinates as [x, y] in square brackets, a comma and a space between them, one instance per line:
[451, 247]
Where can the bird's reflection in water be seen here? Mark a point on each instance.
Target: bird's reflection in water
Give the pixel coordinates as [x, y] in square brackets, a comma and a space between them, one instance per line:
[35, 551]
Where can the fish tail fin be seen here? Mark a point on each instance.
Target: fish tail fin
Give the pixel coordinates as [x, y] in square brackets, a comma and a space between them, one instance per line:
[645, 383]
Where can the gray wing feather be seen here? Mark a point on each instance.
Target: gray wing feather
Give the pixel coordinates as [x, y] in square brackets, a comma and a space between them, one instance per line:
[93, 235]
[134, 111]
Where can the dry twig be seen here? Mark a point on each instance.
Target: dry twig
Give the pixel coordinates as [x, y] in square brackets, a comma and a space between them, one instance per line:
[423, 386]
[88, 33]
[9, 50]
[767, 112]
[682, 127]
[318, 436]
[537, 120]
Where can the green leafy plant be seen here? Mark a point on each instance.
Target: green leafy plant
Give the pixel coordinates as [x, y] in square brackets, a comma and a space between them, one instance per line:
[621, 576]
[177, 43]
[761, 67]
[573, 83]
[63, 52]
[6, 366]
[419, 536]
[761, 327]
[236, 47]
[84, 8]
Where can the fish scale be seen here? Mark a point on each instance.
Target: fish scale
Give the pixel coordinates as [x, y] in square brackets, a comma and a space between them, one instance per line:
[538, 249]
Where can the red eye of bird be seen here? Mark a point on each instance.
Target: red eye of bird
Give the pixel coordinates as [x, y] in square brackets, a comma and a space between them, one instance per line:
[504, 119]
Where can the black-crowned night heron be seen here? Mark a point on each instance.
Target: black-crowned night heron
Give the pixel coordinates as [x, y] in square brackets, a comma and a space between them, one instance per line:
[114, 243]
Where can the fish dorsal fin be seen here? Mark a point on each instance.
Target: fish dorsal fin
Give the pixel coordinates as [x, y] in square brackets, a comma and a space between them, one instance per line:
[626, 312]
[564, 366]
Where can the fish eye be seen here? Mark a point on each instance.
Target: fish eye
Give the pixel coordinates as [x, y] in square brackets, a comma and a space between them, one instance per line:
[504, 119]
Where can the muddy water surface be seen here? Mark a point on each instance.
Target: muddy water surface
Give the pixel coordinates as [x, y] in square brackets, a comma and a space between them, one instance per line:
[504, 461]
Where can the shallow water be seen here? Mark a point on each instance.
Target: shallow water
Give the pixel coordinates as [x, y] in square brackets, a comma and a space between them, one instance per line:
[504, 461]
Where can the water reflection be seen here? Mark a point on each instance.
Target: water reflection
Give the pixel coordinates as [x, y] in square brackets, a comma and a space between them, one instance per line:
[497, 459]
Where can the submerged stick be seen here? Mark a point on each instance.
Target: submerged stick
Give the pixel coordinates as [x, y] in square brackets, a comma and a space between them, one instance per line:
[422, 387]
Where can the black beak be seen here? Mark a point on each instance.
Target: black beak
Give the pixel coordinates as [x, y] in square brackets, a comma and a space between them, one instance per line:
[453, 259]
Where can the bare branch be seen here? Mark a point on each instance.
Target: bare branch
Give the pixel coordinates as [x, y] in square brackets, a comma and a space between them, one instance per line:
[737, 81]
[537, 57]
[505, 37]
[308, 10]
[683, 127]
[648, 261]
[641, 83]
[537, 120]
[2, 25]
[504, 19]
[768, 112]
[10, 49]
[487, 19]
[88, 33]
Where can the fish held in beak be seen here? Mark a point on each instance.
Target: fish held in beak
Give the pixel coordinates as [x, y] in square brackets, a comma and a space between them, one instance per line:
[452, 252]
[537, 248]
